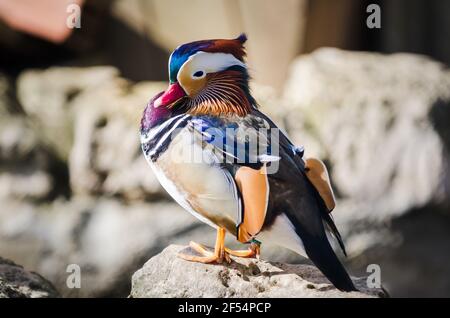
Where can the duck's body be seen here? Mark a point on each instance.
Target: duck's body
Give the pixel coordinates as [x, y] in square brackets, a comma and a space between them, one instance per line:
[203, 153]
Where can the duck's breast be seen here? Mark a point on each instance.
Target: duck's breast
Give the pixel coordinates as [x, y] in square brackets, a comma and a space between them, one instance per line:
[192, 175]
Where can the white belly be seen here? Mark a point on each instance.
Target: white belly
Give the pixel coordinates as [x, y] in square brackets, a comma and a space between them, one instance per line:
[282, 233]
[193, 178]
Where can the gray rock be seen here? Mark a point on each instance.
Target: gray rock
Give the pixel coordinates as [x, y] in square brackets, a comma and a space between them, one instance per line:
[15, 282]
[167, 275]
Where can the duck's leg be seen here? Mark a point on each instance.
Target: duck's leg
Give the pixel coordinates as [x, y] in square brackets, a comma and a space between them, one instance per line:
[219, 254]
[253, 251]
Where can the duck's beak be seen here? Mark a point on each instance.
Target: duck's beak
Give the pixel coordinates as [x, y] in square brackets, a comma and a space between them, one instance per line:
[172, 95]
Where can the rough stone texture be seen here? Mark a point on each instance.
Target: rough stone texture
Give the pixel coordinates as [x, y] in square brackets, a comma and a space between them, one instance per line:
[166, 275]
[15, 282]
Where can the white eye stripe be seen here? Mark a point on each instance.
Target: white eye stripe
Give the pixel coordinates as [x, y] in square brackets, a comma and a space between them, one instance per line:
[211, 62]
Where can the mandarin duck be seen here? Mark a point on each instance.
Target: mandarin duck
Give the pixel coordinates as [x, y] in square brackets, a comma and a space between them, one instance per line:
[229, 165]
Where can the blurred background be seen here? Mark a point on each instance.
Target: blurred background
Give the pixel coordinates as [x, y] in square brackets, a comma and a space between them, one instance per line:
[374, 103]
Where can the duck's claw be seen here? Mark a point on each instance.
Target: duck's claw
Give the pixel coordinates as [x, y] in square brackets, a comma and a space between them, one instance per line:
[201, 249]
[252, 251]
[199, 259]
[207, 256]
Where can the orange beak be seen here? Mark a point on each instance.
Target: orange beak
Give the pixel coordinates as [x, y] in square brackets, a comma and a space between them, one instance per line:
[173, 94]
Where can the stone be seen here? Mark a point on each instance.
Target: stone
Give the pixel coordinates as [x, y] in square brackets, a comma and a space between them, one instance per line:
[16, 282]
[167, 275]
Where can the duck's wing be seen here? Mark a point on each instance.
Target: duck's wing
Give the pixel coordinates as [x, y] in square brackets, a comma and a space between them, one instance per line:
[315, 171]
[297, 201]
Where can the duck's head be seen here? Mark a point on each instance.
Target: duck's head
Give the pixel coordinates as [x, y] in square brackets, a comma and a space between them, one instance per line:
[208, 77]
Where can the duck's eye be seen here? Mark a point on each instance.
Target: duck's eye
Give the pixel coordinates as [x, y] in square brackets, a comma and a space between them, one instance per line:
[198, 74]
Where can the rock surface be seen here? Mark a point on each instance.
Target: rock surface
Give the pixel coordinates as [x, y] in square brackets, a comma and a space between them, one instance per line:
[166, 275]
[15, 282]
